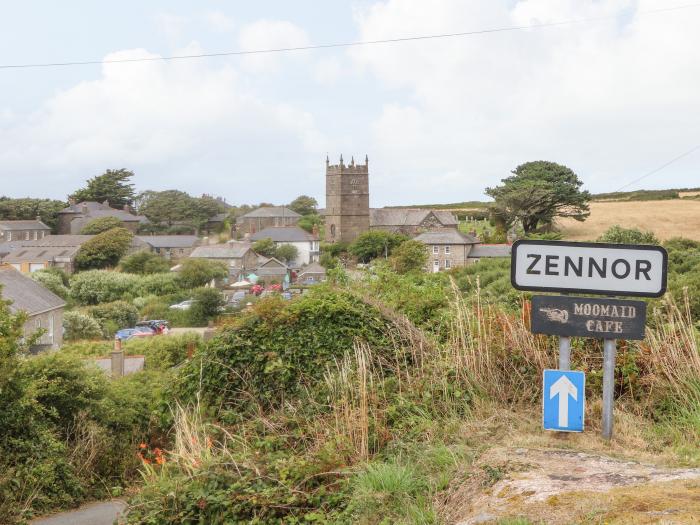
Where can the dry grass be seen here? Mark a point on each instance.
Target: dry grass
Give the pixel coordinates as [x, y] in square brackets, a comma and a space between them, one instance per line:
[666, 218]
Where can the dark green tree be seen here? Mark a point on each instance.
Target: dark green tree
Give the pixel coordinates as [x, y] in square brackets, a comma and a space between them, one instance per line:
[409, 256]
[207, 304]
[101, 224]
[538, 192]
[104, 250]
[28, 209]
[171, 207]
[144, 263]
[198, 272]
[113, 186]
[304, 205]
[286, 253]
[373, 244]
[265, 247]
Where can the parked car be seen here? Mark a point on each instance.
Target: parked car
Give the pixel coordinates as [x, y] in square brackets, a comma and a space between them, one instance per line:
[184, 305]
[159, 326]
[129, 333]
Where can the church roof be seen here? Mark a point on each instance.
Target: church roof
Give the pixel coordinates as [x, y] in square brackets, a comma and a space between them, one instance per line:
[408, 216]
[446, 236]
[270, 211]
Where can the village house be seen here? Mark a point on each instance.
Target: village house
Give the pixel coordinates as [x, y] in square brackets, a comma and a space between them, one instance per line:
[238, 256]
[267, 217]
[170, 246]
[307, 244]
[449, 249]
[270, 270]
[23, 230]
[52, 251]
[74, 218]
[311, 274]
[43, 308]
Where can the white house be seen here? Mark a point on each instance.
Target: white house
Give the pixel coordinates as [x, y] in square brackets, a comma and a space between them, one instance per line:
[307, 244]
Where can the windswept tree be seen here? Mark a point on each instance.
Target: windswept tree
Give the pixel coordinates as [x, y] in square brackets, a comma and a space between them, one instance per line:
[304, 205]
[171, 207]
[538, 192]
[26, 209]
[113, 186]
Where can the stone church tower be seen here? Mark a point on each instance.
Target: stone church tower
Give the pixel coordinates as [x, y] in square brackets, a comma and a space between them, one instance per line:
[347, 200]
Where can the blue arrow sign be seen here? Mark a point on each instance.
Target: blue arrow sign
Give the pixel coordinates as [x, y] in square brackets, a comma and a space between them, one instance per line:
[564, 400]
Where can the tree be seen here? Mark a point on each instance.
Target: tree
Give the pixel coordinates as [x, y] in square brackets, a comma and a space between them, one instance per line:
[144, 263]
[538, 192]
[286, 253]
[101, 224]
[304, 205]
[265, 247]
[308, 222]
[373, 244]
[176, 207]
[619, 235]
[409, 256]
[104, 249]
[207, 304]
[52, 282]
[28, 209]
[113, 186]
[198, 272]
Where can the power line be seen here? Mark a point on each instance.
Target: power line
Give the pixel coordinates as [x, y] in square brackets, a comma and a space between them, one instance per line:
[655, 170]
[340, 44]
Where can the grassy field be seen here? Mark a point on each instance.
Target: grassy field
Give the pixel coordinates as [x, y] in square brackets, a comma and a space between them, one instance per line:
[666, 218]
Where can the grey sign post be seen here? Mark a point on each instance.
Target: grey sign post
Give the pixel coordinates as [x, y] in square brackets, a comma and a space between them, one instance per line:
[590, 268]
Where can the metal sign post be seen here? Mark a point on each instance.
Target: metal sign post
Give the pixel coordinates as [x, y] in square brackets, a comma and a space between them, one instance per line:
[589, 268]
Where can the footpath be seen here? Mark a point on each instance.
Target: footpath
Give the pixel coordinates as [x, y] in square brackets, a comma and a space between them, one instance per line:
[97, 513]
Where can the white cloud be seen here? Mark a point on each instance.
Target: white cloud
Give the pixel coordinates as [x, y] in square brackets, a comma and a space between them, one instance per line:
[271, 34]
[219, 21]
[171, 25]
[180, 124]
[611, 99]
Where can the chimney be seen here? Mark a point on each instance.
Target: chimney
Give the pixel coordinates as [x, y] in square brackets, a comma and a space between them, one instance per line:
[38, 218]
[314, 230]
[84, 208]
[117, 359]
[106, 203]
[71, 201]
[127, 208]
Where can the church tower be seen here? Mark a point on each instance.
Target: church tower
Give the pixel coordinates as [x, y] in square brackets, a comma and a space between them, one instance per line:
[347, 200]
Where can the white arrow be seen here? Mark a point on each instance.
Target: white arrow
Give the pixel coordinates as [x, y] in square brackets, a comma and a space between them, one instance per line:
[563, 388]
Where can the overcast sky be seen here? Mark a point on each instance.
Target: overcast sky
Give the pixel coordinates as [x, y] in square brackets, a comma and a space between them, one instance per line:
[440, 119]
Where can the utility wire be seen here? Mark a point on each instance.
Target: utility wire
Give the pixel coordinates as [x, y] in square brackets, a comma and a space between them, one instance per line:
[655, 170]
[341, 44]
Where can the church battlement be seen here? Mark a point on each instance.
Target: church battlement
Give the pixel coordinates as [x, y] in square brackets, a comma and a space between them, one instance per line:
[351, 168]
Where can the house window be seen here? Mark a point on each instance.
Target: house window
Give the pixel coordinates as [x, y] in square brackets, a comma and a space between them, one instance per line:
[436, 265]
[26, 236]
[436, 250]
[447, 250]
[448, 264]
[36, 235]
[9, 236]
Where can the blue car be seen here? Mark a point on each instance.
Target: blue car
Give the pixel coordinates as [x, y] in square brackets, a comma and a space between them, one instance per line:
[128, 333]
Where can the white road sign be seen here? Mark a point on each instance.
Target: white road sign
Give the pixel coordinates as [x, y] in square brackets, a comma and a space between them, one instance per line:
[594, 268]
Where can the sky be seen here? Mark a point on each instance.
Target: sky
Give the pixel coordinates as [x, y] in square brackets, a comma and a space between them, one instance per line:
[440, 119]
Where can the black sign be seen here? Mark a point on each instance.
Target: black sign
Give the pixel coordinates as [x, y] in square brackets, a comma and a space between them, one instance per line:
[589, 268]
[584, 317]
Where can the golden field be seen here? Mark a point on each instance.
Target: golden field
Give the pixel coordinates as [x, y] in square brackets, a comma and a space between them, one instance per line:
[666, 218]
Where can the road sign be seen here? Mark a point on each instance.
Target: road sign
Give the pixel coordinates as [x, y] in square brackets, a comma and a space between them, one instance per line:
[588, 317]
[564, 400]
[585, 267]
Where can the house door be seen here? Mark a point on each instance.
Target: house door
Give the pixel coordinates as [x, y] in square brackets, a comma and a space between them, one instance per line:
[436, 266]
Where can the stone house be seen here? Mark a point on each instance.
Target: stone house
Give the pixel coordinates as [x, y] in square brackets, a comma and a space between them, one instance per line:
[170, 246]
[447, 248]
[307, 244]
[267, 217]
[311, 274]
[23, 230]
[74, 218]
[270, 270]
[52, 251]
[238, 256]
[411, 221]
[43, 308]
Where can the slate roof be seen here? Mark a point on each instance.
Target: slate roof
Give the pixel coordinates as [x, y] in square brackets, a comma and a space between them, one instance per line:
[270, 266]
[446, 236]
[26, 294]
[58, 240]
[219, 217]
[489, 250]
[284, 234]
[40, 254]
[23, 225]
[313, 268]
[169, 241]
[408, 216]
[97, 209]
[230, 250]
[270, 211]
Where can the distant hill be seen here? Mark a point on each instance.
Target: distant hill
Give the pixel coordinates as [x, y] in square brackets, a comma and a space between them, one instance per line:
[648, 195]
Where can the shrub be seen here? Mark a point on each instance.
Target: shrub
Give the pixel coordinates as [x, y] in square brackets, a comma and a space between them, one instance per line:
[199, 272]
[77, 325]
[104, 249]
[101, 286]
[409, 256]
[265, 247]
[619, 235]
[207, 303]
[52, 282]
[162, 353]
[157, 284]
[114, 316]
[144, 262]
[100, 225]
[286, 253]
[373, 244]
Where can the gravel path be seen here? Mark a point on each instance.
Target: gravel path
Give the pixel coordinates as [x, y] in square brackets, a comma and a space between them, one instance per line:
[99, 513]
